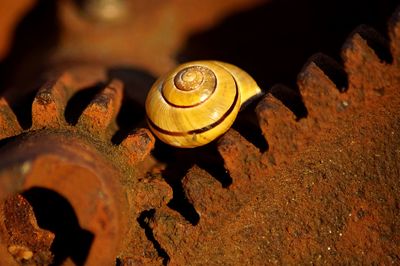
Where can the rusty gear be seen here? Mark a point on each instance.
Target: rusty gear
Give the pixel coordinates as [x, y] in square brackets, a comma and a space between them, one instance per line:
[311, 197]
[64, 161]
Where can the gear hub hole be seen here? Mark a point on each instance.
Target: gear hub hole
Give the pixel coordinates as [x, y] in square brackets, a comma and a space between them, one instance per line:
[53, 212]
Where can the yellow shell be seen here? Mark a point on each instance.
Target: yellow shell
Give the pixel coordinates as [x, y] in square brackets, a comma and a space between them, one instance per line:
[197, 102]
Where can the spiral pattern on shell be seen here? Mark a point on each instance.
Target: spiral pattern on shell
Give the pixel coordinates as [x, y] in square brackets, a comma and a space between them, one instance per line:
[191, 86]
[197, 102]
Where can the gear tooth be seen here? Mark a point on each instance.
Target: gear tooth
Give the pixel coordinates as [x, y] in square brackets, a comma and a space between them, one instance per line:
[9, 125]
[240, 156]
[360, 56]
[151, 193]
[278, 125]
[319, 93]
[170, 229]
[99, 116]
[138, 145]
[203, 191]
[50, 102]
[394, 33]
[377, 48]
[145, 252]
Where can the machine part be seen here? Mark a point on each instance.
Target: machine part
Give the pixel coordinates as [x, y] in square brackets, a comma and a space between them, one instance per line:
[105, 10]
[83, 190]
[67, 33]
[325, 191]
[136, 39]
[8, 20]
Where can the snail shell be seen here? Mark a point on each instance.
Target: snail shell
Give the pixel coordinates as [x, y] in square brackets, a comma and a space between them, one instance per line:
[197, 102]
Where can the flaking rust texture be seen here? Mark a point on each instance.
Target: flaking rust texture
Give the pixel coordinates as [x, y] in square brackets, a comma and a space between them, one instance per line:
[327, 190]
[73, 181]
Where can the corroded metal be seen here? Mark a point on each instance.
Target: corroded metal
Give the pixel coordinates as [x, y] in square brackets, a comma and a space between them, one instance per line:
[325, 191]
[79, 164]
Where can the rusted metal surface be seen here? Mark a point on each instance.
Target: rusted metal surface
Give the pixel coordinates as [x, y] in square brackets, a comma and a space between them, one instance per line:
[148, 26]
[11, 12]
[78, 187]
[326, 191]
[27, 242]
[78, 169]
[144, 35]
